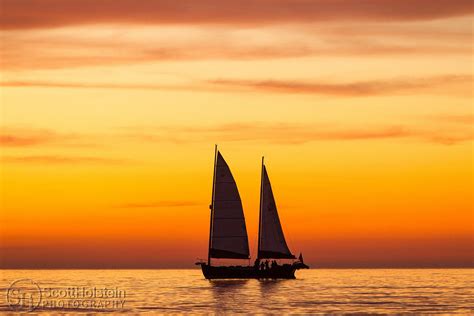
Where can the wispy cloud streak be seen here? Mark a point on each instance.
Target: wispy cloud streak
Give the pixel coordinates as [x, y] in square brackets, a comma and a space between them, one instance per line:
[296, 134]
[64, 48]
[462, 83]
[31, 137]
[17, 14]
[454, 118]
[363, 88]
[85, 85]
[59, 159]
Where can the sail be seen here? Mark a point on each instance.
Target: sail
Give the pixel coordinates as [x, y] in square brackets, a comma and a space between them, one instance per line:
[272, 242]
[228, 233]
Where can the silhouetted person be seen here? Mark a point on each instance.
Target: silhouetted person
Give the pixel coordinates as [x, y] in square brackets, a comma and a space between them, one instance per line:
[256, 264]
[262, 266]
[274, 264]
[267, 265]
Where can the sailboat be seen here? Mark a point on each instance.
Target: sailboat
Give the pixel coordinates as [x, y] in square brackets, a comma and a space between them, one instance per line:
[228, 237]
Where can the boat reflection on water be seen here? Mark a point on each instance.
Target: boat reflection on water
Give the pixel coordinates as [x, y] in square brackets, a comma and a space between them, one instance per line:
[229, 294]
[241, 294]
[225, 284]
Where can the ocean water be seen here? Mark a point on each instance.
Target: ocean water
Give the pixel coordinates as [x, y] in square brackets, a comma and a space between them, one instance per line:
[444, 291]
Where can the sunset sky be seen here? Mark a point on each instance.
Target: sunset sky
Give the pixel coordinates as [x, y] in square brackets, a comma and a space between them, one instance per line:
[110, 110]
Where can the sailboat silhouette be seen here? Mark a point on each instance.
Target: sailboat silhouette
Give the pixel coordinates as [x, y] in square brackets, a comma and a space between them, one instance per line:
[228, 233]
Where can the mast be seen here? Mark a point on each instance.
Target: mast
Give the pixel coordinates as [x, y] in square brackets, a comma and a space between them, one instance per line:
[212, 207]
[260, 211]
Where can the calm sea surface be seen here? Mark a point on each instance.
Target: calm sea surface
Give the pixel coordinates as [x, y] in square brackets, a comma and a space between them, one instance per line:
[180, 291]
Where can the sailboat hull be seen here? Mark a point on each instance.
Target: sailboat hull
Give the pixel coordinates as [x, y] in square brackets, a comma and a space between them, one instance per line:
[286, 271]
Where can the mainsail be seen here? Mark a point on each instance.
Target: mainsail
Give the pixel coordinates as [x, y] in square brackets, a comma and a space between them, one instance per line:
[271, 243]
[228, 232]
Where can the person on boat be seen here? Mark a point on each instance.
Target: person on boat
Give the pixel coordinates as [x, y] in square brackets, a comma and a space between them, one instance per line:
[256, 264]
[262, 266]
[274, 264]
[267, 265]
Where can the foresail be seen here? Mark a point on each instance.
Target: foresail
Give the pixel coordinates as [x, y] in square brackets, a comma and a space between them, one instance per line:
[272, 242]
[229, 233]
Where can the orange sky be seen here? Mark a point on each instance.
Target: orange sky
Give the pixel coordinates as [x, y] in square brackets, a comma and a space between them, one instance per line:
[110, 111]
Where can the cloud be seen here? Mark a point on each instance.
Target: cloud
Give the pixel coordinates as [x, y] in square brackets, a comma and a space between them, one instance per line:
[54, 160]
[85, 85]
[295, 134]
[452, 129]
[160, 204]
[17, 14]
[461, 83]
[30, 137]
[450, 138]
[28, 57]
[454, 118]
[33, 138]
[363, 88]
[70, 47]
[19, 141]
